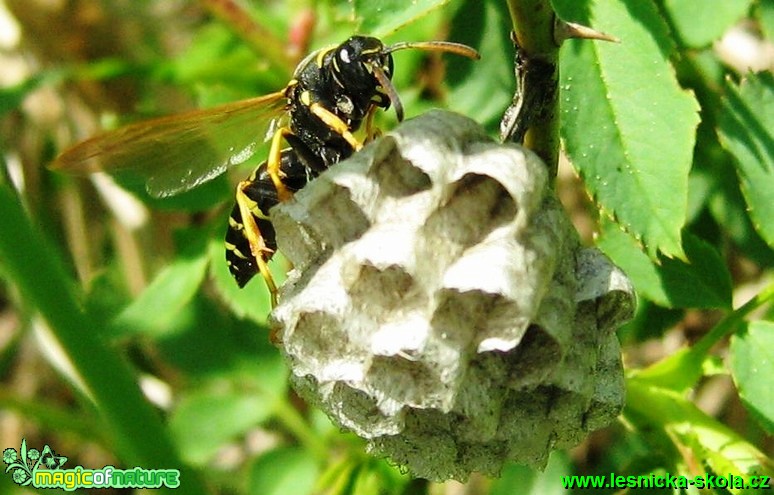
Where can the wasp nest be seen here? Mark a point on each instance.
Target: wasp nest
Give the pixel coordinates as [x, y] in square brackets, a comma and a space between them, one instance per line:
[441, 306]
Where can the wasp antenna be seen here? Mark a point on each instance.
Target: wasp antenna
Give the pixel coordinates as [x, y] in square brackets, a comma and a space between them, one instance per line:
[436, 46]
[389, 90]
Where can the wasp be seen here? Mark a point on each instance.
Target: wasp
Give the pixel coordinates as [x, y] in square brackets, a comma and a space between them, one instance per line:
[332, 93]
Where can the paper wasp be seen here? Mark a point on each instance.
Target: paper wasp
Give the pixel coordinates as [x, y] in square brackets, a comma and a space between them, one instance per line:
[333, 91]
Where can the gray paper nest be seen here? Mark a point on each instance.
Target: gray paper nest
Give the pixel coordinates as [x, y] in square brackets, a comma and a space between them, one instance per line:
[441, 306]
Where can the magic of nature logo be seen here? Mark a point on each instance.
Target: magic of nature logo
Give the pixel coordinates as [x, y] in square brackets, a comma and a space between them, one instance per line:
[44, 469]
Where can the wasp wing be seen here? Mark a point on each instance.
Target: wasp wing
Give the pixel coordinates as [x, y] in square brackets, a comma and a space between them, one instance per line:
[176, 153]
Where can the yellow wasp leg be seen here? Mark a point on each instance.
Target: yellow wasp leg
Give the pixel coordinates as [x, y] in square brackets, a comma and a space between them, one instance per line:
[371, 131]
[247, 208]
[273, 163]
[334, 122]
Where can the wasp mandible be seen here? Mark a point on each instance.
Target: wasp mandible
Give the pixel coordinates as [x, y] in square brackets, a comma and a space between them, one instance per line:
[333, 91]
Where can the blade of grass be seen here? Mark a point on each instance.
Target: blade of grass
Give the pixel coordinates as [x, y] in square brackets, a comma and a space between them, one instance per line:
[33, 265]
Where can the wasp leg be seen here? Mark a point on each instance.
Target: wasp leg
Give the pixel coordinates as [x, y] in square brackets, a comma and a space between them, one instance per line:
[334, 122]
[249, 210]
[274, 162]
[250, 230]
[371, 131]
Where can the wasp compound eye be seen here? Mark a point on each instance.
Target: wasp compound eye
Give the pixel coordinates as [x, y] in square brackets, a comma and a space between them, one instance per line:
[442, 307]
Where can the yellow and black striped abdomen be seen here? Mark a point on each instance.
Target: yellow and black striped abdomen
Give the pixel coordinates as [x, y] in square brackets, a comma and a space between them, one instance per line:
[261, 197]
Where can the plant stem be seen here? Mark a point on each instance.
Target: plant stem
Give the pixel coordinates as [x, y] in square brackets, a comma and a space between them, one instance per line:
[683, 369]
[297, 425]
[731, 322]
[533, 28]
[533, 24]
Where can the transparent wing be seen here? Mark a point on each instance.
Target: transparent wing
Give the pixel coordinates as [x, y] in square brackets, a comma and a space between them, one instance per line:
[174, 154]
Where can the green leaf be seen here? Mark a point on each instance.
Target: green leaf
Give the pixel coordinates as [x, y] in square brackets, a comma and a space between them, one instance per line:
[23, 452]
[157, 309]
[752, 360]
[483, 25]
[765, 15]
[283, 471]
[235, 349]
[702, 281]
[337, 476]
[680, 371]
[728, 209]
[746, 129]
[651, 321]
[700, 188]
[386, 16]
[712, 444]
[368, 480]
[698, 25]
[215, 58]
[628, 126]
[206, 420]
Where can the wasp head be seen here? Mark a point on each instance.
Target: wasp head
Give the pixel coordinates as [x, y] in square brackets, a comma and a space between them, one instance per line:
[364, 66]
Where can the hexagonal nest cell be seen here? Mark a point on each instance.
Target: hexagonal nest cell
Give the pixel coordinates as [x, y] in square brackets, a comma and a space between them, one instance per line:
[441, 306]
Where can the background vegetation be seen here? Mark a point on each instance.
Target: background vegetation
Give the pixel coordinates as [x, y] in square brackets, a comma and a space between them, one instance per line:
[123, 340]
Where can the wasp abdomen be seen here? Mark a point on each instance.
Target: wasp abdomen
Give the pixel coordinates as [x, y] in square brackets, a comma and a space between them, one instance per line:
[262, 196]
